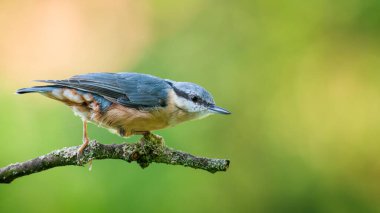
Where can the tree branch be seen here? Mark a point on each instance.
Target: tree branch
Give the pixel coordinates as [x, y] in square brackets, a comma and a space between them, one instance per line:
[150, 148]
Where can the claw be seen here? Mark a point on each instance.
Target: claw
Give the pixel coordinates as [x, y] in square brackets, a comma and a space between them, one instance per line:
[154, 138]
[90, 165]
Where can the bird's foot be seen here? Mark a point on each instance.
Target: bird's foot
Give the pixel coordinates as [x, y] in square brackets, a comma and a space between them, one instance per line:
[156, 139]
[81, 149]
[79, 156]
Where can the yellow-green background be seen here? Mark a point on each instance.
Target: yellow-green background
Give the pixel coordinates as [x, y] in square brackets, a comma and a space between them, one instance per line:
[301, 78]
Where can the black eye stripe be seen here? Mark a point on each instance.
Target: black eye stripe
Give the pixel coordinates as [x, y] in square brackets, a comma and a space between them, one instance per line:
[190, 97]
[181, 93]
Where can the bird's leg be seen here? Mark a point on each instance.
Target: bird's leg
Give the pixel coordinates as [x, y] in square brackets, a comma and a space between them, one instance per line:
[85, 139]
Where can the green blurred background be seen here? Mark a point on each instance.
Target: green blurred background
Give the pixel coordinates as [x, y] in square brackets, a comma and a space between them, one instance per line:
[301, 78]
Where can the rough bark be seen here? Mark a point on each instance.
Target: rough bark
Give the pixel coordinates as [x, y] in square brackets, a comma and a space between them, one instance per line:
[151, 148]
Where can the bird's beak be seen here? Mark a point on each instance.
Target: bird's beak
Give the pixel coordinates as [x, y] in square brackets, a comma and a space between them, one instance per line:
[218, 110]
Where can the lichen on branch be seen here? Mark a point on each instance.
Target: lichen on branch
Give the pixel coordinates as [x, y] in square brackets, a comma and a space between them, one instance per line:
[151, 148]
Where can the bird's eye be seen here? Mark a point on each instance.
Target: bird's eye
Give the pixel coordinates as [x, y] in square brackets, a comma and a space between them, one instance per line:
[194, 99]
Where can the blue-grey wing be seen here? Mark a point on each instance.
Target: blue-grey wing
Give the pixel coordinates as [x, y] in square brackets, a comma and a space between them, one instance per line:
[128, 89]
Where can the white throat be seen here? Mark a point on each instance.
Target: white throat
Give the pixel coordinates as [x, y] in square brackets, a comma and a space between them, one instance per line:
[198, 111]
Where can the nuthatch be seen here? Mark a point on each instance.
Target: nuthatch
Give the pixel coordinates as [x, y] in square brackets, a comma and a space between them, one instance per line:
[129, 103]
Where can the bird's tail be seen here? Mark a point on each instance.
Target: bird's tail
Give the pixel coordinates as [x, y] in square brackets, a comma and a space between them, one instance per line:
[39, 89]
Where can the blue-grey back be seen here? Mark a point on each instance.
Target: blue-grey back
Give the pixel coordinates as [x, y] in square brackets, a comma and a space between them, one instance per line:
[128, 89]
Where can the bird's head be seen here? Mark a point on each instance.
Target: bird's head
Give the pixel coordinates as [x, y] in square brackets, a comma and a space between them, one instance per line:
[193, 98]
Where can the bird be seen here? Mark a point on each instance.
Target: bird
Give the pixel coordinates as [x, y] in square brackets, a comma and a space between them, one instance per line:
[129, 103]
